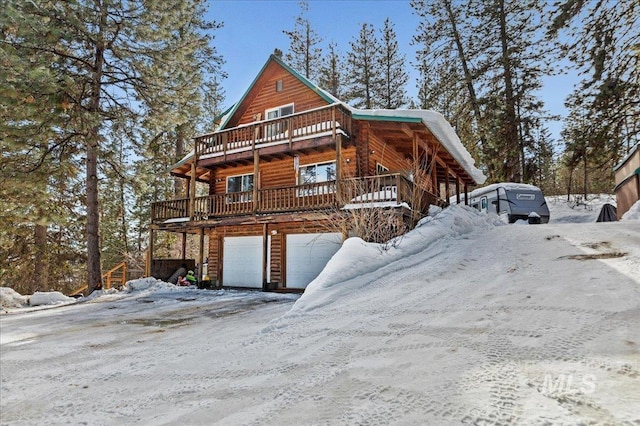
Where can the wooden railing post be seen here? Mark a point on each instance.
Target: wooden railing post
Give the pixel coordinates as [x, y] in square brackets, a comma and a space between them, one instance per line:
[256, 180]
[192, 190]
[225, 139]
[148, 267]
[338, 142]
[290, 131]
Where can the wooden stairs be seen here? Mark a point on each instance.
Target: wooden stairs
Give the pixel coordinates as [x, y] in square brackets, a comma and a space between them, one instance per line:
[115, 277]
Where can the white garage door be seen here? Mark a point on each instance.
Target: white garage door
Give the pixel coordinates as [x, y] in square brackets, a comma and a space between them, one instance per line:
[242, 262]
[307, 255]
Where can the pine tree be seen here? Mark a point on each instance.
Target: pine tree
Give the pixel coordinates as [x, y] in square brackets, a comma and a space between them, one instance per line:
[603, 41]
[364, 82]
[516, 57]
[331, 77]
[115, 60]
[441, 88]
[498, 48]
[36, 164]
[444, 36]
[394, 74]
[305, 53]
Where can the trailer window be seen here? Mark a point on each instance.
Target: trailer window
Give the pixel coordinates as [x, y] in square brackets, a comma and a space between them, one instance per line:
[525, 197]
[483, 203]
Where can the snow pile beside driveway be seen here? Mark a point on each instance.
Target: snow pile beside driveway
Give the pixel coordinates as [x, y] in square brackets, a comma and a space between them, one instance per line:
[149, 284]
[42, 298]
[11, 299]
[357, 257]
[633, 213]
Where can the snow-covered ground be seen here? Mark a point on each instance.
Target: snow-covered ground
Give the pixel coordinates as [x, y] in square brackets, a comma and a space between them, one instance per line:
[466, 320]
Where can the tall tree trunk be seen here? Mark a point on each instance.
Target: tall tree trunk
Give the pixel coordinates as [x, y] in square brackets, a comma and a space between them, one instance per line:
[94, 273]
[569, 184]
[180, 187]
[511, 142]
[468, 79]
[585, 174]
[40, 267]
[123, 216]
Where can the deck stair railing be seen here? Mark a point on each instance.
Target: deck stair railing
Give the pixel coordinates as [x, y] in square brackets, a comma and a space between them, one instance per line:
[116, 275]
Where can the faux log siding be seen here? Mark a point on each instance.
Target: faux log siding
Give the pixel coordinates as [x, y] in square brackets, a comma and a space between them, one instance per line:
[361, 136]
[281, 172]
[386, 155]
[278, 251]
[276, 265]
[264, 96]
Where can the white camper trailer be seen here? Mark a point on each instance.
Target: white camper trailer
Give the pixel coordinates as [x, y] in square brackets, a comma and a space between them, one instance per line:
[517, 201]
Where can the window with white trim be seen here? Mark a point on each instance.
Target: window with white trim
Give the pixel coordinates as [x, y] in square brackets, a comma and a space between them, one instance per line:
[277, 128]
[240, 183]
[317, 173]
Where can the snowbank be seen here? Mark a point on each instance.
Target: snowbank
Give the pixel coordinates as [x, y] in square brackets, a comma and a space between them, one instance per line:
[633, 213]
[42, 298]
[11, 299]
[148, 284]
[357, 257]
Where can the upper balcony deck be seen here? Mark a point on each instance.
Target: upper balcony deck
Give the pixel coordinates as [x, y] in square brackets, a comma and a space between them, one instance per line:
[283, 134]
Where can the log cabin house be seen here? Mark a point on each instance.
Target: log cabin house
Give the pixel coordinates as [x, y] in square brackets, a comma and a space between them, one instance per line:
[287, 168]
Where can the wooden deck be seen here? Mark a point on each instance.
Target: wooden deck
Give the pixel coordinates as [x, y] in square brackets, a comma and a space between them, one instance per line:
[375, 191]
[326, 121]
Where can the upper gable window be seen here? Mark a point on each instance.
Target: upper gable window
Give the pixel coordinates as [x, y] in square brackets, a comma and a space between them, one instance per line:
[280, 111]
[279, 127]
[279, 86]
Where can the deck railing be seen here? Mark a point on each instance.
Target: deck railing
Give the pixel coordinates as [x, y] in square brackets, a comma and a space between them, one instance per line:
[327, 120]
[381, 190]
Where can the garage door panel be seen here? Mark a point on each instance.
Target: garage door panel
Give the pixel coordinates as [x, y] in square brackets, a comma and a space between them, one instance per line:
[307, 255]
[242, 262]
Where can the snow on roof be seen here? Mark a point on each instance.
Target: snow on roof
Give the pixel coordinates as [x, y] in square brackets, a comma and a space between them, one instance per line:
[513, 186]
[440, 128]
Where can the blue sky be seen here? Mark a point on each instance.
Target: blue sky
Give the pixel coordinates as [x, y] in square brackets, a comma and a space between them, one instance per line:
[253, 29]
